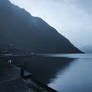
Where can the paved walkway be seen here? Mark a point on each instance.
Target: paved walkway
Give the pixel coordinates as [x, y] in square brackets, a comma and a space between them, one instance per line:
[11, 81]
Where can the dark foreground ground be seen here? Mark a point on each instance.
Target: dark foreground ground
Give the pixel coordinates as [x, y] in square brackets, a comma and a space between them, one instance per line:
[11, 81]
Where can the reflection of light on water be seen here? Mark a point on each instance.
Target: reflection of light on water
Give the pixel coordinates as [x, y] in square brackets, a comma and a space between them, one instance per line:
[86, 56]
[75, 78]
[58, 81]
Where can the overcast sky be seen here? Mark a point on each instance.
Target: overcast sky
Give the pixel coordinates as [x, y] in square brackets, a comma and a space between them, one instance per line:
[72, 18]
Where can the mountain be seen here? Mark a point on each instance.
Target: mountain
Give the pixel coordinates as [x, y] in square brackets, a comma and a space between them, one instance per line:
[87, 49]
[27, 32]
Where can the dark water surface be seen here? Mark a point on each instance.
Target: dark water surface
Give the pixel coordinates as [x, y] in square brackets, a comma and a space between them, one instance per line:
[62, 72]
[65, 73]
[77, 77]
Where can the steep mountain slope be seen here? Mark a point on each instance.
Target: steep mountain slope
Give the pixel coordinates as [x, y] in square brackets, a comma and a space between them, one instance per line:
[27, 32]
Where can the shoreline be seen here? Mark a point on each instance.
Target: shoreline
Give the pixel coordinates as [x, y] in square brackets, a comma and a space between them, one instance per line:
[11, 80]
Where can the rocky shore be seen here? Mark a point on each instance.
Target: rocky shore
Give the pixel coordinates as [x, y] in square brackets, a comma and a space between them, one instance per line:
[12, 81]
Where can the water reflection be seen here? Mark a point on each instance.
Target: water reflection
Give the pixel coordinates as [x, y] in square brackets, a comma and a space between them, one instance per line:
[61, 73]
[44, 69]
[75, 78]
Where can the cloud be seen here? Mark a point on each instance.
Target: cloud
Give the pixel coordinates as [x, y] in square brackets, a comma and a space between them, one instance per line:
[86, 4]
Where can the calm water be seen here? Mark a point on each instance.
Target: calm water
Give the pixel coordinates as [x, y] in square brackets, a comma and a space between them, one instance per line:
[77, 77]
[63, 72]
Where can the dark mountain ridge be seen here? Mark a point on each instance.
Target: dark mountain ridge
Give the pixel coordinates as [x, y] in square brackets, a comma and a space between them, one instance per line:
[27, 32]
